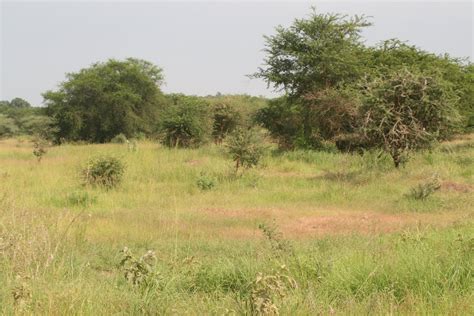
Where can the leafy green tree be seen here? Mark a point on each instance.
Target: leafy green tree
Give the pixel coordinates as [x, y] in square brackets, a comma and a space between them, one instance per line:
[246, 147]
[107, 99]
[393, 54]
[403, 111]
[19, 103]
[186, 122]
[319, 52]
[322, 52]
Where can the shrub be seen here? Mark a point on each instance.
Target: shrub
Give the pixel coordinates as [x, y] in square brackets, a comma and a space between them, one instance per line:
[206, 182]
[39, 148]
[119, 139]
[186, 123]
[106, 171]
[423, 190]
[226, 119]
[246, 147]
[404, 111]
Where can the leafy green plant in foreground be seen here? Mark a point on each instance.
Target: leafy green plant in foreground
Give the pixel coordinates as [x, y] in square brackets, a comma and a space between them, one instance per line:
[105, 171]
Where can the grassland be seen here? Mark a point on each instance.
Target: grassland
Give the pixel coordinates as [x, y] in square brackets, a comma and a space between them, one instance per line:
[350, 240]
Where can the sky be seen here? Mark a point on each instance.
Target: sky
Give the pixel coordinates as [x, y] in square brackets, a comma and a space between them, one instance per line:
[202, 47]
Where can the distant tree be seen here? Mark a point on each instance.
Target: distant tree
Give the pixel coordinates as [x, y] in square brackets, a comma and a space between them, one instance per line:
[8, 126]
[226, 119]
[107, 99]
[403, 111]
[40, 125]
[186, 122]
[19, 103]
[319, 52]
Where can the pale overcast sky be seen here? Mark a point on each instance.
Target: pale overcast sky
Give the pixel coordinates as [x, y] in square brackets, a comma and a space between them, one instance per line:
[203, 47]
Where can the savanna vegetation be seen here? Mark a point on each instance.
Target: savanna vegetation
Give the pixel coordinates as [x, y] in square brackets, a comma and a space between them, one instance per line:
[352, 193]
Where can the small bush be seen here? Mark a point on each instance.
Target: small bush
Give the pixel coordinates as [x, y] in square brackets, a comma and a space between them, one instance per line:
[103, 171]
[119, 139]
[206, 182]
[246, 147]
[40, 148]
[423, 190]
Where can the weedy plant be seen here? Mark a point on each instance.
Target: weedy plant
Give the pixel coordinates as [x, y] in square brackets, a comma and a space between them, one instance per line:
[266, 291]
[140, 272]
[105, 171]
[206, 182]
[278, 244]
[40, 148]
[423, 190]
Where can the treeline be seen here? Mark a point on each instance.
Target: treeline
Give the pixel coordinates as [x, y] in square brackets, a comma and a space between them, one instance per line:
[338, 94]
[18, 117]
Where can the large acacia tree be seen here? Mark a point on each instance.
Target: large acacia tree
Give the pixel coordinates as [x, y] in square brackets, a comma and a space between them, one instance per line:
[322, 52]
[107, 99]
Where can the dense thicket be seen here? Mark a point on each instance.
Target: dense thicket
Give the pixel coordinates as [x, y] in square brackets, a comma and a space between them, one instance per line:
[325, 71]
[107, 99]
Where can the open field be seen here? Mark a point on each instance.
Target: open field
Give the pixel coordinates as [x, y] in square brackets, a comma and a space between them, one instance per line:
[347, 234]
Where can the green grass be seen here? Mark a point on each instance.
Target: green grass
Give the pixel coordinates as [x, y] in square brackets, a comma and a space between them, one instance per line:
[358, 245]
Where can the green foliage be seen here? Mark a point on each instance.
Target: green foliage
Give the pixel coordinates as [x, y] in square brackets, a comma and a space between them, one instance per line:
[206, 182]
[8, 126]
[40, 148]
[139, 272]
[19, 103]
[186, 122]
[81, 198]
[404, 111]
[119, 139]
[245, 147]
[283, 119]
[423, 190]
[322, 51]
[104, 171]
[226, 119]
[107, 99]
[266, 290]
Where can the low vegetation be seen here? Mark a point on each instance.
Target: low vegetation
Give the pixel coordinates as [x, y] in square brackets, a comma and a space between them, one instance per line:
[351, 193]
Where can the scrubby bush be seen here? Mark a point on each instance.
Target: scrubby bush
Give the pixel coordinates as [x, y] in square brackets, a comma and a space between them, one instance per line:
[403, 111]
[119, 139]
[40, 148]
[104, 171]
[245, 147]
[423, 190]
[206, 182]
[226, 119]
[186, 123]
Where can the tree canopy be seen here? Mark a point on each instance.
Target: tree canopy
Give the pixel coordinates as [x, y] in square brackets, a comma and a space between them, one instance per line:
[107, 99]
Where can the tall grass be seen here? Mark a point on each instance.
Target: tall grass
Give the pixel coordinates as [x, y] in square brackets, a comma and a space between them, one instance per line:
[60, 242]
